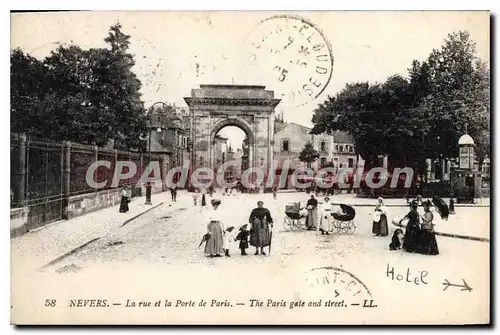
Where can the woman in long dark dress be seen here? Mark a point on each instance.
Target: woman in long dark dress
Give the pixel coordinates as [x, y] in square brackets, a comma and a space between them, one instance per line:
[124, 201]
[412, 234]
[260, 234]
[428, 243]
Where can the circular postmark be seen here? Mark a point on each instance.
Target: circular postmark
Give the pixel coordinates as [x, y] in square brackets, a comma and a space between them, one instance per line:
[292, 53]
[341, 284]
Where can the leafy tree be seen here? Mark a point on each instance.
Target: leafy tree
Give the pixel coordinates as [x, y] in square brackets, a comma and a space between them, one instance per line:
[308, 154]
[422, 116]
[86, 96]
[125, 89]
[28, 77]
[459, 96]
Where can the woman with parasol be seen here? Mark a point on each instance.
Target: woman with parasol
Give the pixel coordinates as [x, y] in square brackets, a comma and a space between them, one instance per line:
[442, 207]
[412, 234]
[215, 232]
[428, 244]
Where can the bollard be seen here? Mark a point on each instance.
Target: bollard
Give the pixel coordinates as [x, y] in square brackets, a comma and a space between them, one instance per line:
[452, 206]
[148, 194]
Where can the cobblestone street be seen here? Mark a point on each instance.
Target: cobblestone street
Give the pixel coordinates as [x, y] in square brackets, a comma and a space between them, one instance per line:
[163, 244]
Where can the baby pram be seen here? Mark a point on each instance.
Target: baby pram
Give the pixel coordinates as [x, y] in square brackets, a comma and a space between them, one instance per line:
[343, 221]
[294, 217]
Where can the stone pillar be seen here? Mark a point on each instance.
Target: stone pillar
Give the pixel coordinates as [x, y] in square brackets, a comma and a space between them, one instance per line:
[115, 161]
[251, 148]
[66, 178]
[20, 188]
[164, 165]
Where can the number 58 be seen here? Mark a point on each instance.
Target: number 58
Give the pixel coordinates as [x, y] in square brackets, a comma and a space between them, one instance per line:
[50, 302]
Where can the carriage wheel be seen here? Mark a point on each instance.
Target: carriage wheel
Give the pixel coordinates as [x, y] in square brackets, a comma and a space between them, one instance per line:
[352, 227]
[287, 223]
[335, 227]
[301, 224]
[344, 227]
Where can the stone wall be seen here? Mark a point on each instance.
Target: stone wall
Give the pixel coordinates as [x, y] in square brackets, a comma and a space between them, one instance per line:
[18, 221]
[91, 202]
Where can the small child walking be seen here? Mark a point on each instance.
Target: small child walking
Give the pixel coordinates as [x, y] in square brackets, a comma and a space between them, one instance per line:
[195, 198]
[243, 238]
[226, 240]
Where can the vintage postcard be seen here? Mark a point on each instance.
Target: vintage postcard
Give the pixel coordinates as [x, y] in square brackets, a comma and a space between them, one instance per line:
[315, 168]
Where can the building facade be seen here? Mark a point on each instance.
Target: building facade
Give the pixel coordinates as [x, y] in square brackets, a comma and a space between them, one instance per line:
[220, 150]
[344, 153]
[168, 134]
[335, 150]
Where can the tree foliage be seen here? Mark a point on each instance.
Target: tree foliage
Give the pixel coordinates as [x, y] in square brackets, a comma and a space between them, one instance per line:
[308, 154]
[418, 117]
[86, 96]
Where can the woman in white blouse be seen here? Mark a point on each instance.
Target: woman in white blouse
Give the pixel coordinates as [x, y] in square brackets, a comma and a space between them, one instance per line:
[380, 219]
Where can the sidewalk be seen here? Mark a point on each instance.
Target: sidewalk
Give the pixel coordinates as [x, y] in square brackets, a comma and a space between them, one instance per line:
[56, 239]
[390, 202]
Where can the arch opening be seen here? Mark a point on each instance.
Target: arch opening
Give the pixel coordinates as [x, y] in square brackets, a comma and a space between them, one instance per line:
[231, 141]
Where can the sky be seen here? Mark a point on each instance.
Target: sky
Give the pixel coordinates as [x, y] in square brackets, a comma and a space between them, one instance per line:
[177, 51]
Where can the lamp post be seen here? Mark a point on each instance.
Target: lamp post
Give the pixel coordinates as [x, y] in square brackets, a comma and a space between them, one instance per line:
[159, 130]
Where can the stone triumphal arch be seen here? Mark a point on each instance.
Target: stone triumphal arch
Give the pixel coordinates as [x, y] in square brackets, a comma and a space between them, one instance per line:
[250, 108]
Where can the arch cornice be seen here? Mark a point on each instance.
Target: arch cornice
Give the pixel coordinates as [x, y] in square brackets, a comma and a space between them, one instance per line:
[231, 102]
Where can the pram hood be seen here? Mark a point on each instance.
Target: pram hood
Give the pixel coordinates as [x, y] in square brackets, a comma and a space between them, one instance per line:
[349, 211]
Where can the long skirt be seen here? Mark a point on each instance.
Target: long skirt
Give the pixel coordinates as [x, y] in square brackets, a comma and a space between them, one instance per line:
[124, 204]
[380, 228]
[214, 244]
[260, 235]
[326, 222]
[412, 239]
[428, 244]
[312, 218]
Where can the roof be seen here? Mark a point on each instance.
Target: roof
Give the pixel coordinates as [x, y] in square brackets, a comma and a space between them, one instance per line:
[465, 140]
[232, 86]
[278, 126]
[301, 126]
[342, 137]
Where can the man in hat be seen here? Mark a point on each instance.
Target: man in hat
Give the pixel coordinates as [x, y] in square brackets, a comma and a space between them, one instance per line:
[312, 213]
[260, 234]
[411, 241]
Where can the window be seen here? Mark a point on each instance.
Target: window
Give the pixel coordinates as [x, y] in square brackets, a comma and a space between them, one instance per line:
[323, 161]
[336, 147]
[351, 148]
[285, 145]
[438, 172]
[464, 151]
[486, 168]
[351, 163]
[322, 146]
[341, 148]
[335, 162]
